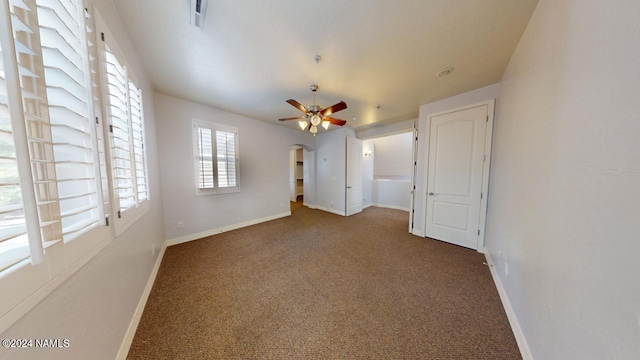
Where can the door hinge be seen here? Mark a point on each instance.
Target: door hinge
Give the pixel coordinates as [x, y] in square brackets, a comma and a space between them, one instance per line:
[97, 121]
[485, 157]
[111, 128]
[106, 219]
[415, 163]
[119, 214]
[478, 231]
[487, 118]
[414, 187]
[102, 36]
[481, 195]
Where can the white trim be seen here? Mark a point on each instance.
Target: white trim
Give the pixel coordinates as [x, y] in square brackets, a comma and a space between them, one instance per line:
[337, 212]
[25, 306]
[137, 315]
[511, 315]
[203, 234]
[485, 173]
[390, 207]
[418, 232]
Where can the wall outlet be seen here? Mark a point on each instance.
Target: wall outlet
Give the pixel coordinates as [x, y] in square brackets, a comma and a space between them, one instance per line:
[506, 268]
[153, 249]
[180, 224]
[281, 205]
[499, 256]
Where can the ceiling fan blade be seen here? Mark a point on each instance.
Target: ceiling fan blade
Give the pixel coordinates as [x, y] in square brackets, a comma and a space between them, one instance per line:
[293, 118]
[334, 108]
[335, 121]
[298, 106]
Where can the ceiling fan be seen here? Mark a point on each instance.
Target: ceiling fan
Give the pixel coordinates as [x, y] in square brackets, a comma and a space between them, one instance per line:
[314, 115]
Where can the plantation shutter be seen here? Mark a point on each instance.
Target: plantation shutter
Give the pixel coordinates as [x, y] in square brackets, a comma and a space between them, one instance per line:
[67, 80]
[121, 131]
[205, 158]
[97, 108]
[137, 127]
[43, 220]
[216, 158]
[14, 241]
[226, 158]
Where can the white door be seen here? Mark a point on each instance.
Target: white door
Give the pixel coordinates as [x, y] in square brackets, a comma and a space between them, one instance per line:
[354, 176]
[292, 175]
[454, 181]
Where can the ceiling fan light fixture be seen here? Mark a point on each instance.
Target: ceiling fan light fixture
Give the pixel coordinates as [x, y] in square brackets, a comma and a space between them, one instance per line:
[313, 130]
[325, 124]
[315, 120]
[303, 124]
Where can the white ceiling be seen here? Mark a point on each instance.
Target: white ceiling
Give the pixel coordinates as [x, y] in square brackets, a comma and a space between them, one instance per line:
[253, 55]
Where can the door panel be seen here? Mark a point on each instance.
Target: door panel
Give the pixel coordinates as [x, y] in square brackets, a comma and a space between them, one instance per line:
[354, 176]
[454, 181]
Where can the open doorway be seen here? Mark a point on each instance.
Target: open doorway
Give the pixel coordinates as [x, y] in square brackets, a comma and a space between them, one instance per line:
[301, 176]
[296, 177]
[388, 170]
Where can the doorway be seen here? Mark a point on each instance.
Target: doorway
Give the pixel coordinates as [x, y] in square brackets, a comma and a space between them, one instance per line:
[457, 175]
[300, 176]
[296, 175]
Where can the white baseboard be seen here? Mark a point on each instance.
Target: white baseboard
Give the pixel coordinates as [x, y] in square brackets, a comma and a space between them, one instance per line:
[337, 212]
[137, 315]
[511, 315]
[391, 207]
[203, 234]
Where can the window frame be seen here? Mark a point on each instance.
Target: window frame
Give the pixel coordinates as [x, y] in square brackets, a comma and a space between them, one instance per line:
[214, 127]
[122, 218]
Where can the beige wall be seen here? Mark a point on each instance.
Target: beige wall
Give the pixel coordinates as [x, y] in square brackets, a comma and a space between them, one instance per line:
[564, 199]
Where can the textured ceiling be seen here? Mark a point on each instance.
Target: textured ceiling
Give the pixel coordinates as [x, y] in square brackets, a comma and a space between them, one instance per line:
[253, 55]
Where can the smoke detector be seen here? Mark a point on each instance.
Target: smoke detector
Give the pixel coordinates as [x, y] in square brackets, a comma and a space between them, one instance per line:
[444, 72]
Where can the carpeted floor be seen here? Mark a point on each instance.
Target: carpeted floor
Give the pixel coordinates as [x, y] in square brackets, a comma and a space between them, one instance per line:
[320, 286]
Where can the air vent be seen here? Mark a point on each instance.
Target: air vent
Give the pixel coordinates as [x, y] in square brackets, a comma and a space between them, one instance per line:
[198, 8]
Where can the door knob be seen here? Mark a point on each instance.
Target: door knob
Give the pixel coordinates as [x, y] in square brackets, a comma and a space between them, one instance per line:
[431, 193]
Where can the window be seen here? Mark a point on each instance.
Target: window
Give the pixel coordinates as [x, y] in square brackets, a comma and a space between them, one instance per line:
[51, 216]
[14, 242]
[57, 164]
[123, 100]
[215, 149]
[137, 127]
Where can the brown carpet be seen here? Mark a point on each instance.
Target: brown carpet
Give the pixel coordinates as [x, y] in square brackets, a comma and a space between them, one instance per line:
[320, 286]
